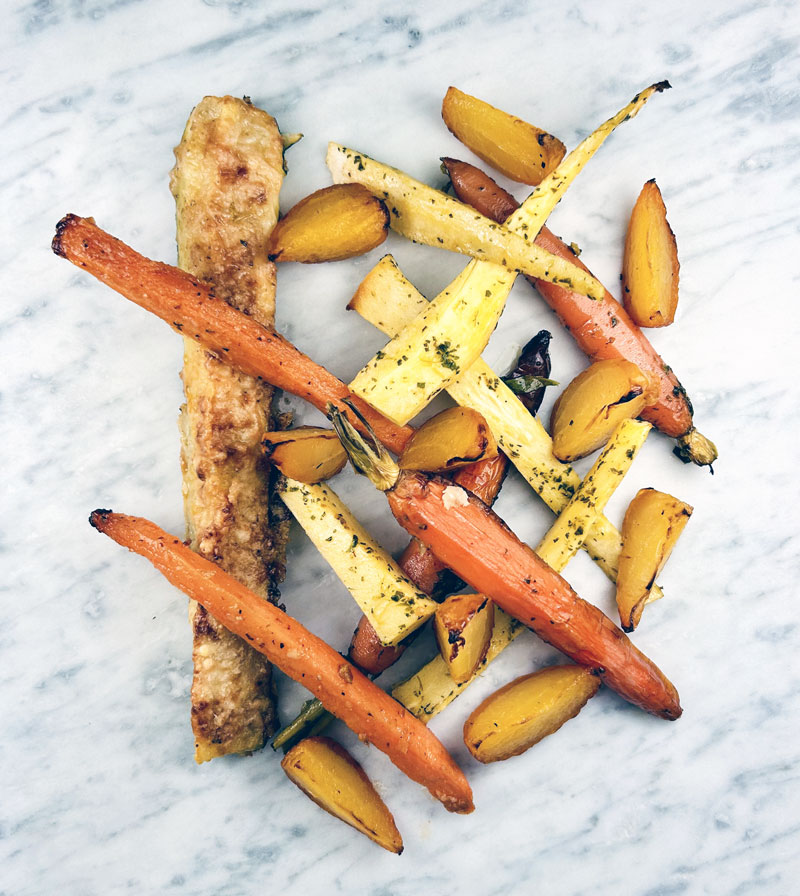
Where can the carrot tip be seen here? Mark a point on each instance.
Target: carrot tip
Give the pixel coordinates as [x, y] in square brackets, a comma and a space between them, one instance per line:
[62, 225]
[98, 517]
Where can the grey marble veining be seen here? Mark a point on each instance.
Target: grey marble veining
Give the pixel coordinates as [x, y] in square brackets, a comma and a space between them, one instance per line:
[99, 792]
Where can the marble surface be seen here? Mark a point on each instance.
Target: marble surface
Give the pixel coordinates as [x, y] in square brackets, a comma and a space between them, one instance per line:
[100, 793]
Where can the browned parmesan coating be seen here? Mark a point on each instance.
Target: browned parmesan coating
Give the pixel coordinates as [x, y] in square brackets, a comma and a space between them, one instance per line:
[226, 180]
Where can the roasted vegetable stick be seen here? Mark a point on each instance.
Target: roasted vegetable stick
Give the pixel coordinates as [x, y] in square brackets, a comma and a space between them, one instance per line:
[391, 300]
[348, 694]
[478, 545]
[602, 329]
[490, 558]
[226, 180]
[389, 600]
[428, 353]
[432, 689]
[192, 309]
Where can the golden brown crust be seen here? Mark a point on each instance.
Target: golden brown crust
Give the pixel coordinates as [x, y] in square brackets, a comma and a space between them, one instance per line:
[228, 171]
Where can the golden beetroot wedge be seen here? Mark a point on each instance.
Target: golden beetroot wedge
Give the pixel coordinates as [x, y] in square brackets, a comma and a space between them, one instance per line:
[591, 407]
[308, 454]
[329, 775]
[650, 267]
[653, 523]
[332, 224]
[453, 438]
[526, 710]
[513, 147]
[463, 626]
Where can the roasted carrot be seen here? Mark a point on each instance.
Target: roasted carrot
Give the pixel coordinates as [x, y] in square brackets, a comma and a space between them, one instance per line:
[372, 714]
[476, 544]
[191, 308]
[603, 329]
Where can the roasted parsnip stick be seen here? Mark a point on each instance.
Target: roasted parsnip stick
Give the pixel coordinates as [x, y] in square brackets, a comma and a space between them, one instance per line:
[477, 544]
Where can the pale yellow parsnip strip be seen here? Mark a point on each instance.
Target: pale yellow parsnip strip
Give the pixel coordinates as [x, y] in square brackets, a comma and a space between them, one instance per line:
[391, 602]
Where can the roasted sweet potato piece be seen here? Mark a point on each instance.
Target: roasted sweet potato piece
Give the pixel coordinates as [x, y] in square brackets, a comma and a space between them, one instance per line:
[513, 147]
[454, 438]
[526, 710]
[652, 525]
[308, 454]
[594, 403]
[650, 265]
[329, 775]
[329, 225]
[463, 626]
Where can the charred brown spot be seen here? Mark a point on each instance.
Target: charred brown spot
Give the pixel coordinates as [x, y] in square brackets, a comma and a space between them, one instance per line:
[204, 625]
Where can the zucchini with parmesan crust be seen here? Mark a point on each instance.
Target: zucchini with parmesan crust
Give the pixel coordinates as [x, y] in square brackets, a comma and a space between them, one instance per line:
[227, 176]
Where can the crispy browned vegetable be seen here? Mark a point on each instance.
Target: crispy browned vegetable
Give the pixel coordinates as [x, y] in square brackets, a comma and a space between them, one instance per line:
[524, 711]
[329, 225]
[593, 405]
[308, 454]
[453, 438]
[463, 626]
[650, 265]
[329, 775]
[513, 147]
[652, 525]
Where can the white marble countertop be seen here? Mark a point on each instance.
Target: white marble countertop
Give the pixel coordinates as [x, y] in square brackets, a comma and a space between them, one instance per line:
[100, 792]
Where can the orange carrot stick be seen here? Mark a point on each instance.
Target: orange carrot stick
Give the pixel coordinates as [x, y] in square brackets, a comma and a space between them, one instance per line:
[473, 541]
[425, 569]
[372, 714]
[603, 329]
[190, 307]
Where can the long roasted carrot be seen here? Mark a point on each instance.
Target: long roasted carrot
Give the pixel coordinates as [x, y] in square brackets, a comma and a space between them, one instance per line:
[425, 569]
[372, 714]
[191, 308]
[476, 544]
[602, 329]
